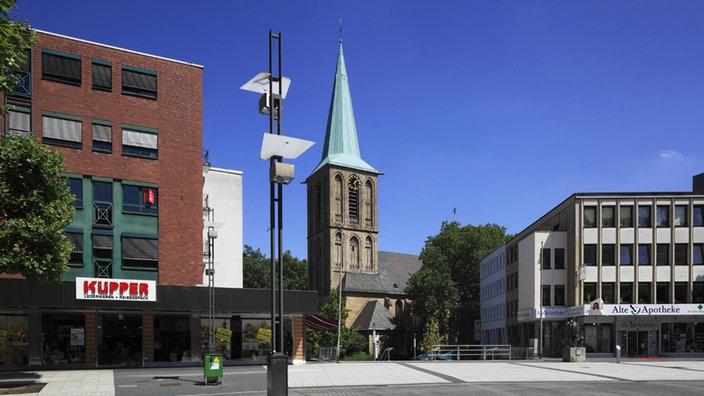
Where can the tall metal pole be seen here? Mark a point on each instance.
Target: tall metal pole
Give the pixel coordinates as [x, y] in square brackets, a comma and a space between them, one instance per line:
[272, 203]
[281, 209]
[339, 289]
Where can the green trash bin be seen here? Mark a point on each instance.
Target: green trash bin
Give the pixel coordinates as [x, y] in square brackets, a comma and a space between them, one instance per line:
[212, 368]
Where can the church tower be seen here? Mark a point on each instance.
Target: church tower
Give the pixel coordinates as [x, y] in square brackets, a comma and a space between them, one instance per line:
[342, 198]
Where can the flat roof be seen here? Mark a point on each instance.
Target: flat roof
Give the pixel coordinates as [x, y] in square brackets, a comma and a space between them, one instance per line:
[120, 49]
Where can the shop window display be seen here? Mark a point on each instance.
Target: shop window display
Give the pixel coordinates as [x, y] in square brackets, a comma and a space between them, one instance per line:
[222, 343]
[64, 339]
[172, 339]
[14, 341]
[256, 338]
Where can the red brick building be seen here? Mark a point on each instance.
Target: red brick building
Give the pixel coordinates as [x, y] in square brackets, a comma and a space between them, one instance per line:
[129, 126]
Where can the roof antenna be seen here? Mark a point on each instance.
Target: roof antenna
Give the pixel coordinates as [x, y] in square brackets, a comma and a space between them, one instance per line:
[340, 29]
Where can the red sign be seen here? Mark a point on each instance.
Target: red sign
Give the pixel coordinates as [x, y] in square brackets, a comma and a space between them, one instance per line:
[149, 196]
[115, 289]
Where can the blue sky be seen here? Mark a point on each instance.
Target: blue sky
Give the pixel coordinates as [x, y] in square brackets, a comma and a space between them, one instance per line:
[498, 109]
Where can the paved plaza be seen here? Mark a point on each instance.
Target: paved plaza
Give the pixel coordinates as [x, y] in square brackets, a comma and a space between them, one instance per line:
[316, 377]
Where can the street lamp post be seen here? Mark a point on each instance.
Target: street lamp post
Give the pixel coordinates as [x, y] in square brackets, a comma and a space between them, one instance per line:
[276, 147]
[540, 268]
[339, 289]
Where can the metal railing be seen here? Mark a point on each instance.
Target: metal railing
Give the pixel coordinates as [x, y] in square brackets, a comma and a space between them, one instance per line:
[470, 352]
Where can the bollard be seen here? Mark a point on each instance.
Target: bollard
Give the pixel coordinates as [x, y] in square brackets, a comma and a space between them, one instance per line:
[618, 353]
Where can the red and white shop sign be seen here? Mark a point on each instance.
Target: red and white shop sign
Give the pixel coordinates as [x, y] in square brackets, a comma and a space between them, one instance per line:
[115, 289]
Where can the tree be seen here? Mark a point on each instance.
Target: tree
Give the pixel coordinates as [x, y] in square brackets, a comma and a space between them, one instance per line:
[446, 288]
[35, 208]
[257, 270]
[351, 341]
[15, 37]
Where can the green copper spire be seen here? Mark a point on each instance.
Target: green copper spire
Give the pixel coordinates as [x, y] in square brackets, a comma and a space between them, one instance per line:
[341, 145]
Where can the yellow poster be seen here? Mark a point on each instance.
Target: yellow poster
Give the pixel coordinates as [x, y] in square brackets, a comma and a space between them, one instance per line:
[264, 334]
[223, 334]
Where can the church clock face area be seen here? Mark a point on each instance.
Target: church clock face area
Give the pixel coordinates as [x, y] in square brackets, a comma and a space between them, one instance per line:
[354, 182]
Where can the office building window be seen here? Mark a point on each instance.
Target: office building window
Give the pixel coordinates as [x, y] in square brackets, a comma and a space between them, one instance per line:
[559, 294]
[607, 292]
[102, 256]
[140, 252]
[698, 215]
[75, 187]
[626, 216]
[607, 254]
[698, 292]
[546, 295]
[625, 293]
[625, 255]
[644, 292]
[76, 258]
[139, 199]
[589, 292]
[138, 82]
[545, 259]
[644, 216]
[590, 255]
[607, 216]
[662, 293]
[589, 216]
[680, 216]
[680, 292]
[102, 204]
[20, 120]
[102, 75]
[102, 136]
[681, 254]
[61, 130]
[698, 254]
[644, 254]
[61, 67]
[662, 218]
[559, 258]
[663, 254]
[139, 142]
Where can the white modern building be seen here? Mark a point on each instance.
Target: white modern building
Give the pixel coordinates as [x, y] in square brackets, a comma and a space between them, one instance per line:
[628, 267]
[493, 298]
[222, 212]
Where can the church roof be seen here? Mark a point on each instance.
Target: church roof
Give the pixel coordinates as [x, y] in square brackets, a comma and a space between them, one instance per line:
[374, 316]
[394, 271]
[341, 145]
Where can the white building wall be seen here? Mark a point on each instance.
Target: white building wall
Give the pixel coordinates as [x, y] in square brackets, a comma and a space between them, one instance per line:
[222, 193]
[493, 297]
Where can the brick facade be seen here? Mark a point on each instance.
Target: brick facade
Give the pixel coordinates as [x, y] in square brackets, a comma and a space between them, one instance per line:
[176, 114]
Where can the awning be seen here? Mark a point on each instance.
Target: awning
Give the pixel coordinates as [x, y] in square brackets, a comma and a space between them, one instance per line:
[318, 323]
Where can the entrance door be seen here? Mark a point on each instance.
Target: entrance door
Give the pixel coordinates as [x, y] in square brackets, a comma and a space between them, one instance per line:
[638, 344]
[120, 340]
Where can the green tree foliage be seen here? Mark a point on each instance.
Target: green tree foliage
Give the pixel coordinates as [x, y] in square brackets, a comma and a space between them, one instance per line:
[35, 208]
[15, 36]
[431, 336]
[351, 341]
[257, 270]
[446, 288]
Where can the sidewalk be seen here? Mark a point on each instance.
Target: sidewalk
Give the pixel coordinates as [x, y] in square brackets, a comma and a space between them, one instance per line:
[347, 374]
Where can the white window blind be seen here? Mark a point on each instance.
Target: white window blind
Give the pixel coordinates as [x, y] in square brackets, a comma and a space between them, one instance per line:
[62, 129]
[139, 138]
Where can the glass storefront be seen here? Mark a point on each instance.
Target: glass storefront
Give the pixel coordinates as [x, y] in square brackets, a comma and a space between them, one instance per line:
[172, 339]
[222, 333]
[14, 342]
[64, 338]
[598, 337]
[120, 340]
[682, 337]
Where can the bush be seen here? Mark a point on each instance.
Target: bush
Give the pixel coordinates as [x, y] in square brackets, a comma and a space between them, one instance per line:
[358, 356]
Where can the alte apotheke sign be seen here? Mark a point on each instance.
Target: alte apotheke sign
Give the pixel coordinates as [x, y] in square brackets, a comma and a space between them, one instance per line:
[650, 309]
[115, 289]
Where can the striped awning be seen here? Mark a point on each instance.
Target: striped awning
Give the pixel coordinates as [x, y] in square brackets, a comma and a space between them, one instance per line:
[318, 323]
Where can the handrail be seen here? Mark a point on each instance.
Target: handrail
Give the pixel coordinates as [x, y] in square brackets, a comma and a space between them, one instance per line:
[469, 352]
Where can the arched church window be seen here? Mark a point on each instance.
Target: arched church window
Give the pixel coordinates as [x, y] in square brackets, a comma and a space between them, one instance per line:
[368, 202]
[338, 250]
[354, 252]
[368, 253]
[353, 185]
[337, 195]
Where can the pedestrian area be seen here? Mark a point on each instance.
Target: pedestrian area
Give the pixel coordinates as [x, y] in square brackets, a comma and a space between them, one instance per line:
[352, 374]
